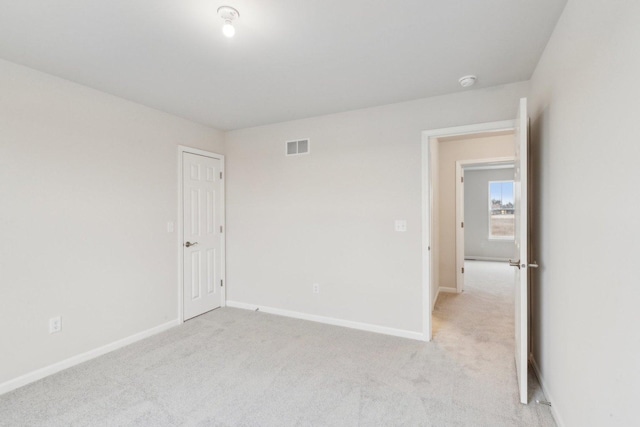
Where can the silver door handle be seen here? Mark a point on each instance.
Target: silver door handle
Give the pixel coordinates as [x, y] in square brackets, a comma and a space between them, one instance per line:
[514, 263]
[534, 264]
[188, 244]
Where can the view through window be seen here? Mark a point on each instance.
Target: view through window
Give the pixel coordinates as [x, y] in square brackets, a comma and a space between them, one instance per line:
[501, 210]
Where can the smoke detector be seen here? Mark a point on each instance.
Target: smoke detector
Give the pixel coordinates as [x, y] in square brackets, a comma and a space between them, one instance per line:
[467, 81]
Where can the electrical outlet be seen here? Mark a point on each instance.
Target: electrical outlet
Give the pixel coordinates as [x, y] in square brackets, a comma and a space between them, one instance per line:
[316, 288]
[55, 325]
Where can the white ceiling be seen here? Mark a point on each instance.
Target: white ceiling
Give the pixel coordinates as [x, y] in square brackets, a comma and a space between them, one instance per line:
[289, 59]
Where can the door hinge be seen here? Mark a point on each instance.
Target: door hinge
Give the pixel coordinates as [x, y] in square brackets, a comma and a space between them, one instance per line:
[221, 283]
[462, 179]
[220, 175]
[221, 229]
[462, 224]
[462, 270]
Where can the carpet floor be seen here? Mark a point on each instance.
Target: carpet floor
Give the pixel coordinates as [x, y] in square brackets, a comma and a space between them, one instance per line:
[233, 367]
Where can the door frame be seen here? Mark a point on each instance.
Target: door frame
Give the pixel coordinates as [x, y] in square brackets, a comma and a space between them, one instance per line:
[223, 294]
[427, 205]
[460, 166]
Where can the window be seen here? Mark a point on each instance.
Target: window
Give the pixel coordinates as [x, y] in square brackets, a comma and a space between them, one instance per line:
[501, 210]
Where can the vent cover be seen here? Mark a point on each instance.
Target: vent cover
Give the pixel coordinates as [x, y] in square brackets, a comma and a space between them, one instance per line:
[300, 146]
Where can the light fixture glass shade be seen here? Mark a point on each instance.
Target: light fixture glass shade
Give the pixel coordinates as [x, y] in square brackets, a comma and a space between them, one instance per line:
[227, 29]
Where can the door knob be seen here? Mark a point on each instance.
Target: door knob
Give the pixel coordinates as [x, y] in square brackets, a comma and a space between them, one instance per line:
[514, 263]
[188, 244]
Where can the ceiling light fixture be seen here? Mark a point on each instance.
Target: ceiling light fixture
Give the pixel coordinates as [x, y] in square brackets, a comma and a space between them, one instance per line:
[229, 14]
[467, 81]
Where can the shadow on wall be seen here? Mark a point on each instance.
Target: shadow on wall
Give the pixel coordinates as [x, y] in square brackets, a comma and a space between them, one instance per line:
[537, 158]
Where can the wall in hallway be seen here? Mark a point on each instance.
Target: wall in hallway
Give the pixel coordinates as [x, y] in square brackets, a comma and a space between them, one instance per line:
[477, 244]
[452, 150]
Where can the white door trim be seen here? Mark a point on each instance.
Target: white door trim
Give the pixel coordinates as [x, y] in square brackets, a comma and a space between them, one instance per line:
[427, 204]
[460, 165]
[183, 149]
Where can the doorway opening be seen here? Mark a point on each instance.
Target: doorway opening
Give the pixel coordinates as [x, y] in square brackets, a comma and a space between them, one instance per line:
[473, 306]
[447, 152]
[485, 212]
[440, 267]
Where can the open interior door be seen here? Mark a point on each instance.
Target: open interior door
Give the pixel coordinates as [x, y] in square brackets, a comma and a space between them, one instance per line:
[521, 252]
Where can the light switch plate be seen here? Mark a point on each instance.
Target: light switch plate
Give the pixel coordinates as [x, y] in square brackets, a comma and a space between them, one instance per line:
[169, 226]
[401, 225]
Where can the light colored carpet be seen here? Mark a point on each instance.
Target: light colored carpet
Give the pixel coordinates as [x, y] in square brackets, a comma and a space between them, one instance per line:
[233, 367]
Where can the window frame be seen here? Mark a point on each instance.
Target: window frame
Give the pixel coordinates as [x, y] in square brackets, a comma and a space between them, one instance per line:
[490, 236]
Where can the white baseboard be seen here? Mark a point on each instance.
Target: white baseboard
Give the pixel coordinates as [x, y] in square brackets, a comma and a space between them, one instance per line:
[442, 289]
[545, 390]
[83, 357]
[331, 321]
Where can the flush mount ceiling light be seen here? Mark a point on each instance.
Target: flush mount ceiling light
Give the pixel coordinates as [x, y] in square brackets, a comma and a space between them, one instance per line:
[467, 81]
[228, 14]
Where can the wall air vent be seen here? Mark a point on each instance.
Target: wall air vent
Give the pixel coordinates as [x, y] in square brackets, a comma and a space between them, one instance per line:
[300, 146]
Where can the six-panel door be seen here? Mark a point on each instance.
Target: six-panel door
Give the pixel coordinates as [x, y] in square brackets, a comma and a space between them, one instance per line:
[202, 234]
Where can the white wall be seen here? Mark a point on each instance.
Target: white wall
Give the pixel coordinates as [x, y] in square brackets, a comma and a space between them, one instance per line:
[328, 217]
[477, 244]
[586, 127]
[453, 150]
[88, 182]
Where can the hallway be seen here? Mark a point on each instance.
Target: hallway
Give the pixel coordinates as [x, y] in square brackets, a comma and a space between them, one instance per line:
[476, 329]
